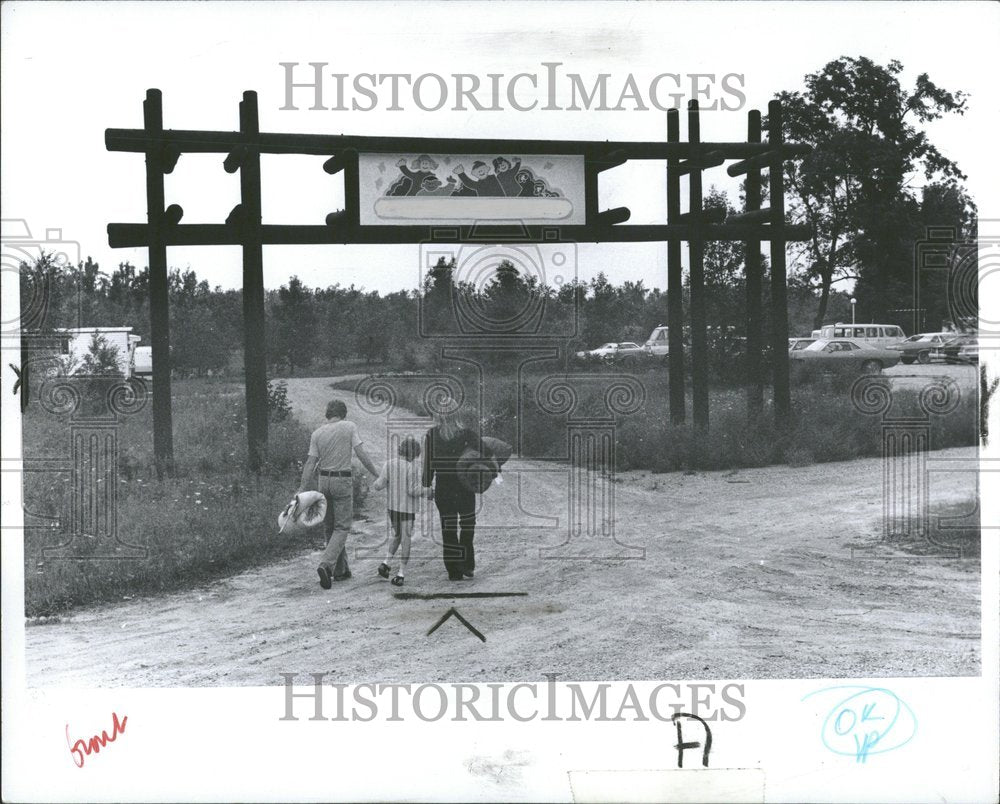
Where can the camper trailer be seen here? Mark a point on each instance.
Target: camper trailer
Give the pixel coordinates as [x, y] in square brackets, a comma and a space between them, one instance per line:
[75, 343]
[656, 344]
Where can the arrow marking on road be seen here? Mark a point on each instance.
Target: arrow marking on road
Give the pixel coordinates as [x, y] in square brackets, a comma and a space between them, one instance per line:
[452, 611]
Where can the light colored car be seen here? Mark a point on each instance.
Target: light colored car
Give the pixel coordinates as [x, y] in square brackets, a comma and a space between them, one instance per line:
[797, 344]
[852, 355]
[921, 347]
[605, 350]
[626, 350]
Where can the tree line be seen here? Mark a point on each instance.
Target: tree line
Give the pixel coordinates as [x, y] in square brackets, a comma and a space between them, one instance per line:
[316, 329]
[857, 190]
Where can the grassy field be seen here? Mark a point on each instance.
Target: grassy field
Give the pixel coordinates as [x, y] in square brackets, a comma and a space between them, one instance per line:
[825, 424]
[212, 518]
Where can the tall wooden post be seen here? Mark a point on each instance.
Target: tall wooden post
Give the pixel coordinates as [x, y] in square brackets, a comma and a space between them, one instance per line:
[159, 302]
[675, 282]
[779, 301]
[754, 285]
[696, 256]
[591, 185]
[254, 356]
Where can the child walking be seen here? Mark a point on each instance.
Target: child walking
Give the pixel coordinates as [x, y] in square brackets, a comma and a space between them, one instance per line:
[401, 477]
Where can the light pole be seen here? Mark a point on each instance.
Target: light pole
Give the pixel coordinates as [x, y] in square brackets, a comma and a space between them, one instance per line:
[853, 303]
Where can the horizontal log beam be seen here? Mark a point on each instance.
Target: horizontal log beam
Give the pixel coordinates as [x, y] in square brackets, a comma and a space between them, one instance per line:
[702, 162]
[136, 235]
[765, 160]
[611, 217]
[223, 142]
[707, 215]
[753, 216]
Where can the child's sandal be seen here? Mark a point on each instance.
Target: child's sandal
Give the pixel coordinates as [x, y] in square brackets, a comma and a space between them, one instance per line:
[397, 581]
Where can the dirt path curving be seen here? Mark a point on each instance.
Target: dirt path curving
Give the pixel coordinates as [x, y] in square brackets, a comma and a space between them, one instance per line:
[749, 575]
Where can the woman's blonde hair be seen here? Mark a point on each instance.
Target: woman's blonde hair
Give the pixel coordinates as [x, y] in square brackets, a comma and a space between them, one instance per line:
[448, 423]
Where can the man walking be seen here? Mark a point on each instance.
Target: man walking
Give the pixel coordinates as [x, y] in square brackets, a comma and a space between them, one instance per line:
[330, 450]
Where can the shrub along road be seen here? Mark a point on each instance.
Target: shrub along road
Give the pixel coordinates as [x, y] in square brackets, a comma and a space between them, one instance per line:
[757, 574]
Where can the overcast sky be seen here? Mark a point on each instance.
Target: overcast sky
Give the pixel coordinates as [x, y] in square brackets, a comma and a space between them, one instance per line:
[73, 69]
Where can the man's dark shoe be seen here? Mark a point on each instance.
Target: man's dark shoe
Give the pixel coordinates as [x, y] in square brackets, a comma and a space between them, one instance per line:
[469, 574]
[456, 576]
[324, 576]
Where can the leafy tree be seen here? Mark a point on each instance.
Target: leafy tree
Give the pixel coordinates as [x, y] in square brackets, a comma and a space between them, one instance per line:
[294, 324]
[439, 298]
[508, 297]
[853, 188]
[725, 286]
[948, 296]
[101, 359]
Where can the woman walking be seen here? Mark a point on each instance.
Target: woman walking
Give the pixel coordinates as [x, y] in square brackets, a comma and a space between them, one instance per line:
[444, 446]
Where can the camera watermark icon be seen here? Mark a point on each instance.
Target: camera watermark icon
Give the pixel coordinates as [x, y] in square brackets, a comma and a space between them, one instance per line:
[83, 523]
[496, 289]
[952, 275]
[27, 264]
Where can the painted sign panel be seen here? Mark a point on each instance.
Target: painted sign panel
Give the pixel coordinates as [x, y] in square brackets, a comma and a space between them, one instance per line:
[413, 189]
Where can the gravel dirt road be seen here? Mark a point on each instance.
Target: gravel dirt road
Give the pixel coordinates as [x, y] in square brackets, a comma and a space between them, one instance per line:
[764, 573]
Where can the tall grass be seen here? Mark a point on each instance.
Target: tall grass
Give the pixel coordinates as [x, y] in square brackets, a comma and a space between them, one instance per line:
[213, 517]
[824, 424]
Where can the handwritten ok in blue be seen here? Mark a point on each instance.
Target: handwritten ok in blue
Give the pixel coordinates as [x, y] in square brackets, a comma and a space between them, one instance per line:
[869, 720]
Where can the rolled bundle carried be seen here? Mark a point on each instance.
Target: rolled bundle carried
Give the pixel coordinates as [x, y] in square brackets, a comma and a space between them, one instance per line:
[478, 469]
[307, 509]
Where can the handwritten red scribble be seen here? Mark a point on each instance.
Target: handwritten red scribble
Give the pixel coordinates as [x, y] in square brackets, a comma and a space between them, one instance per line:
[82, 748]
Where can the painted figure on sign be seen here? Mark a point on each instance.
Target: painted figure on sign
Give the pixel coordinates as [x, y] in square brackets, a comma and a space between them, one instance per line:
[525, 181]
[507, 175]
[461, 190]
[432, 186]
[482, 182]
[413, 177]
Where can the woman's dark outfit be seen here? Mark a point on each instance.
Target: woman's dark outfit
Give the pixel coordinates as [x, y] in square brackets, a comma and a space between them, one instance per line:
[455, 503]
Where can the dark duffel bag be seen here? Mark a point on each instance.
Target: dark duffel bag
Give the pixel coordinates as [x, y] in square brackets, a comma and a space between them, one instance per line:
[478, 469]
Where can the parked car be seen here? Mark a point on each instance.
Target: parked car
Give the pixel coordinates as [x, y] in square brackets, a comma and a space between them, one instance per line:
[611, 352]
[854, 355]
[796, 344]
[960, 349]
[920, 347]
[875, 334]
[630, 351]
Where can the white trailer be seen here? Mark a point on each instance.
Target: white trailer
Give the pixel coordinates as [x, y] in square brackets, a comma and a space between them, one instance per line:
[76, 344]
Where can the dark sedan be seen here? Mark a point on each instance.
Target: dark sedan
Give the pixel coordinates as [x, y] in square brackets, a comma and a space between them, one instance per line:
[961, 349]
[920, 347]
